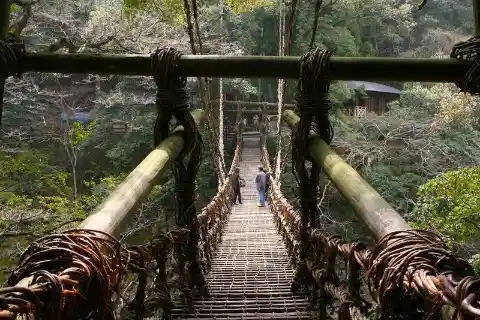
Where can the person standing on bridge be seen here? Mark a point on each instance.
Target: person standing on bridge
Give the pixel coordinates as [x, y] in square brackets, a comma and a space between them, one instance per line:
[267, 183]
[261, 181]
[236, 185]
[256, 122]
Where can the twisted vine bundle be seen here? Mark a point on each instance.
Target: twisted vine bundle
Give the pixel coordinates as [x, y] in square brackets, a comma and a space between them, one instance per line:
[172, 103]
[313, 106]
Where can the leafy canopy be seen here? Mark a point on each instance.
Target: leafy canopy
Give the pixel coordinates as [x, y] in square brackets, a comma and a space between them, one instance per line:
[450, 204]
[80, 133]
[245, 6]
[172, 11]
[168, 11]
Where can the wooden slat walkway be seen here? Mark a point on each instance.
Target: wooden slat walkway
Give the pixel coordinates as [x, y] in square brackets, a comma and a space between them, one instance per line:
[250, 277]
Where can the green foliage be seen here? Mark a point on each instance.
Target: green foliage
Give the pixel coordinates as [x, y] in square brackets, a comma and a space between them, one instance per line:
[421, 4]
[173, 11]
[14, 8]
[30, 172]
[450, 204]
[244, 6]
[133, 4]
[169, 11]
[394, 183]
[20, 202]
[402, 149]
[475, 262]
[339, 94]
[57, 182]
[80, 133]
[61, 206]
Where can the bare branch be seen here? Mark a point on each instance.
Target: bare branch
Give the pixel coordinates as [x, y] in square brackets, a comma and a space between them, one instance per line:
[72, 48]
[39, 234]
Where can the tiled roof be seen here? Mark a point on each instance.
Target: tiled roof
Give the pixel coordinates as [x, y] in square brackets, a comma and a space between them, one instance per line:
[372, 86]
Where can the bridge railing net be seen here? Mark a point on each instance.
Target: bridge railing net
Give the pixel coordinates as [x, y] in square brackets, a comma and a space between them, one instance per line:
[286, 218]
[213, 216]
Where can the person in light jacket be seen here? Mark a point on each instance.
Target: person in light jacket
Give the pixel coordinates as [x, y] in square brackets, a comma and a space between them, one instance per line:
[261, 181]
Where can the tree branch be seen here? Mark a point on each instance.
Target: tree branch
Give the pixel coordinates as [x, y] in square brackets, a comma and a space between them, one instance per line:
[73, 48]
[63, 43]
[318, 5]
[33, 234]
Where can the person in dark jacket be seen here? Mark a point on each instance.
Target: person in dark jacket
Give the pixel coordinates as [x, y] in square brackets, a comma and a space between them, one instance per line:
[236, 186]
[267, 183]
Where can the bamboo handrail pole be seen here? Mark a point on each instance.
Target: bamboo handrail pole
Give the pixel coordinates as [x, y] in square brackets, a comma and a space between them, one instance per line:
[111, 213]
[341, 68]
[376, 213]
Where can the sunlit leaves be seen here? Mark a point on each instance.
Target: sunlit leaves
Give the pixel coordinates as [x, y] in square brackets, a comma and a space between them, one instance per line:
[422, 4]
[451, 107]
[172, 11]
[132, 4]
[15, 8]
[454, 107]
[244, 6]
[79, 133]
[169, 11]
[450, 204]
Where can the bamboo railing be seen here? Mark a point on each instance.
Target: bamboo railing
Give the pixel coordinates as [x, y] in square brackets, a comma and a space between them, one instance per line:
[376, 213]
[111, 214]
[342, 68]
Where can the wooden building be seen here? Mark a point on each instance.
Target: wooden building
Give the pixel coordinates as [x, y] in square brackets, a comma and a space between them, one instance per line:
[376, 100]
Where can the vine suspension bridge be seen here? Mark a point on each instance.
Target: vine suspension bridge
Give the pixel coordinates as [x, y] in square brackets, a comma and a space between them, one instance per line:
[229, 261]
[250, 277]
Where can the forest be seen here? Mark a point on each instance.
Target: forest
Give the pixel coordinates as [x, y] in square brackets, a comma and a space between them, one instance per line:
[62, 153]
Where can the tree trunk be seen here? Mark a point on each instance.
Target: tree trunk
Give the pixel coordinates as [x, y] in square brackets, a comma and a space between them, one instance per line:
[280, 94]
[197, 25]
[318, 5]
[291, 20]
[74, 177]
[186, 7]
[204, 89]
[221, 143]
